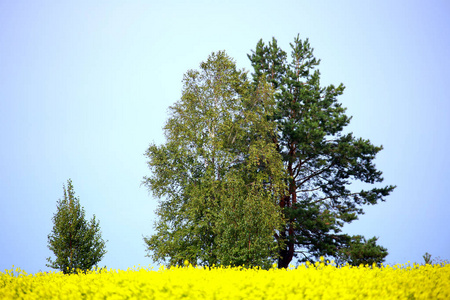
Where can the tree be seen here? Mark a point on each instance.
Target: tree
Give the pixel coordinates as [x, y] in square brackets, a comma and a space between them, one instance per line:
[361, 251]
[427, 258]
[76, 243]
[218, 175]
[320, 159]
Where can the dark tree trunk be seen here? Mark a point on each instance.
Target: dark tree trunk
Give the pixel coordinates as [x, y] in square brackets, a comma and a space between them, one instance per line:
[287, 235]
[286, 254]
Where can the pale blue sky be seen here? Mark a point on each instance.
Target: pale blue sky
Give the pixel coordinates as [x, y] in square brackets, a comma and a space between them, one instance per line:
[85, 87]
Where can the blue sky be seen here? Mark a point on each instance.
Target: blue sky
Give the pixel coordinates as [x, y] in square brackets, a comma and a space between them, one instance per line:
[85, 87]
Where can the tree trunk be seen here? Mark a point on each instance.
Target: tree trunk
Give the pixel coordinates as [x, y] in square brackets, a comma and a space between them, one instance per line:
[287, 253]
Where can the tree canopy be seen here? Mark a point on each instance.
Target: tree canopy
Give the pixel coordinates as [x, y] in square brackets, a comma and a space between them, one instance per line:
[76, 243]
[257, 170]
[360, 251]
[219, 174]
[321, 160]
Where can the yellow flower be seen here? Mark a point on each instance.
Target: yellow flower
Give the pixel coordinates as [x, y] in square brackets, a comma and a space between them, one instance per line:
[324, 282]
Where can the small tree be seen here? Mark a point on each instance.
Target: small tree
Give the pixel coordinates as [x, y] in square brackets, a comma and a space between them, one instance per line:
[427, 258]
[76, 243]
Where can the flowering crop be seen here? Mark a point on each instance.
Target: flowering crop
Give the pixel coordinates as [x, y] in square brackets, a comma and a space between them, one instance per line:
[311, 281]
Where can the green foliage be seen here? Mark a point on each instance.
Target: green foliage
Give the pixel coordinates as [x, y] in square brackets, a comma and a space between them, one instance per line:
[427, 258]
[218, 175]
[436, 261]
[254, 171]
[76, 243]
[361, 251]
[320, 159]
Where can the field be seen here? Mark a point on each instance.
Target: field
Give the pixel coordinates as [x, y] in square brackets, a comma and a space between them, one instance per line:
[319, 281]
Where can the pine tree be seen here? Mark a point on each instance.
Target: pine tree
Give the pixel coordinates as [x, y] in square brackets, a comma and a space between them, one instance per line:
[76, 243]
[321, 160]
[361, 251]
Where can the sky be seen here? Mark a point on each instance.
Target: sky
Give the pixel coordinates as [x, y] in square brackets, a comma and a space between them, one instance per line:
[85, 87]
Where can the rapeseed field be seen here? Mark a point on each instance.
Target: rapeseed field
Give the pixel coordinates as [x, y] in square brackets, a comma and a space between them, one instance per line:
[310, 281]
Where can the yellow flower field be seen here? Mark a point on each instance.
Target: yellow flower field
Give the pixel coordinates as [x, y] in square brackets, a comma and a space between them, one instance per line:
[317, 281]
